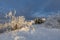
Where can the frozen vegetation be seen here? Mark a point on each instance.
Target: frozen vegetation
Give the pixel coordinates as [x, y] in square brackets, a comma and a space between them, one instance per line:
[49, 30]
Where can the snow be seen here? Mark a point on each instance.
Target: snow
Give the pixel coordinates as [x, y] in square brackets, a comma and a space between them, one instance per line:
[40, 33]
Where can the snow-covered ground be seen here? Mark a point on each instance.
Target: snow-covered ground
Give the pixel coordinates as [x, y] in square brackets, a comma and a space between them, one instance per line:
[40, 33]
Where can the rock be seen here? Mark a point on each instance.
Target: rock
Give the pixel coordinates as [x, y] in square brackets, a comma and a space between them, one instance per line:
[40, 20]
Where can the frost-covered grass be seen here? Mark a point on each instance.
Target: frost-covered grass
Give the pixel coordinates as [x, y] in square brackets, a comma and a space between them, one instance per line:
[50, 30]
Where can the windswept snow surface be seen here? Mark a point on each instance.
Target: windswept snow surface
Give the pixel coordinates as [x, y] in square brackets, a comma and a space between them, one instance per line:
[40, 33]
[50, 30]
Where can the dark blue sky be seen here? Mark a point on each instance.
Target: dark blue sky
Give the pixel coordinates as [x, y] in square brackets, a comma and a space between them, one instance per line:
[30, 8]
